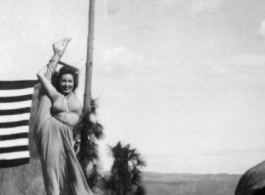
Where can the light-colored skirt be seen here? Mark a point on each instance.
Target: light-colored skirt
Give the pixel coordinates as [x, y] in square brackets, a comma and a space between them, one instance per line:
[62, 173]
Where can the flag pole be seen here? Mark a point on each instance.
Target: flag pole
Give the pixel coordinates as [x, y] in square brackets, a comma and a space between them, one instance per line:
[89, 61]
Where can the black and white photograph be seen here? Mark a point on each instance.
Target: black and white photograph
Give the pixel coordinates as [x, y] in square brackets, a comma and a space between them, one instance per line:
[132, 97]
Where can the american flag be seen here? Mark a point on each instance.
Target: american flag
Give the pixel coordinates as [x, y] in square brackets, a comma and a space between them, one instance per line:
[15, 105]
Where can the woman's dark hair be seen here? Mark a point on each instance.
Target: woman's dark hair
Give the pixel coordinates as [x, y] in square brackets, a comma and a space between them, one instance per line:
[64, 70]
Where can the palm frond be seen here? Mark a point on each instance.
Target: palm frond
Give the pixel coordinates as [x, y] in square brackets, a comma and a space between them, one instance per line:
[93, 176]
[136, 176]
[140, 191]
[107, 185]
[141, 162]
[125, 174]
[88, 132]
[98, 130]
[93, 106]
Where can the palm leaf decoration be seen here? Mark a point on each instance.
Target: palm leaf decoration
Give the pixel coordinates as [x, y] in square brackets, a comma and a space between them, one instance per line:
[86, 134]
[125, 177]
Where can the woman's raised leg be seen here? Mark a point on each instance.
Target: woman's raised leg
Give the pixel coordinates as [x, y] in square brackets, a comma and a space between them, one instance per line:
[58, 49]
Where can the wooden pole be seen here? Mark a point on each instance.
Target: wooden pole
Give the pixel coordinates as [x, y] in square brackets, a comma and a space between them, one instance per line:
[89, 62]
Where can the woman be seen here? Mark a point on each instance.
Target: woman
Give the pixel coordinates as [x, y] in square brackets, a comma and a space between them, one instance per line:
[58, 112]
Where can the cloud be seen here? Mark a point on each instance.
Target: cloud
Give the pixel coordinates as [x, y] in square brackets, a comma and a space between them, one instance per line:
[114, 7]
[120, 61]
[244, 64]
[247, 60]
[193, 6]
[168, 3]
[261, 30]
[199, 6]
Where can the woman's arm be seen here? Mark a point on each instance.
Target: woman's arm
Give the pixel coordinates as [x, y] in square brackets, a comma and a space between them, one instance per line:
[68, 65]
[46, 83]
[45, 74]
[80, 90]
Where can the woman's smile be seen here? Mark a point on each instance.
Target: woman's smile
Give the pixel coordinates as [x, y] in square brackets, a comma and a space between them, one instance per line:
[66, 84]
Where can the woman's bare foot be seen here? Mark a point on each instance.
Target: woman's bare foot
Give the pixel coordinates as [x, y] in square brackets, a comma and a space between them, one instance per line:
[60, 46]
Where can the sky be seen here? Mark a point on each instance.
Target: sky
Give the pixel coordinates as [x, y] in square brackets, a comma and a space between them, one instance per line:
[180, 80]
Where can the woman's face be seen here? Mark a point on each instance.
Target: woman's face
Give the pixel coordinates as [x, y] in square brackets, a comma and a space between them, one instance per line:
[66, 83]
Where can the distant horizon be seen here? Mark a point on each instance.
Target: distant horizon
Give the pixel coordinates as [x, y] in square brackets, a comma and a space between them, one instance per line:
[195, 173]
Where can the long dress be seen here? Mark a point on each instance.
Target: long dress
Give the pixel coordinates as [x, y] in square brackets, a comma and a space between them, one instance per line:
[62, 173]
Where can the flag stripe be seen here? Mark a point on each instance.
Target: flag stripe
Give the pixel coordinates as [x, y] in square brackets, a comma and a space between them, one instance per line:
[15, 105]
[14, 149]
[11, 118]
[16, 98]
[12, 163]
[14, 155]
[13, 143]
[14, 124]
[15, 111]
[13, 136]
[14, 130]
[17, 92]
[8, 85]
